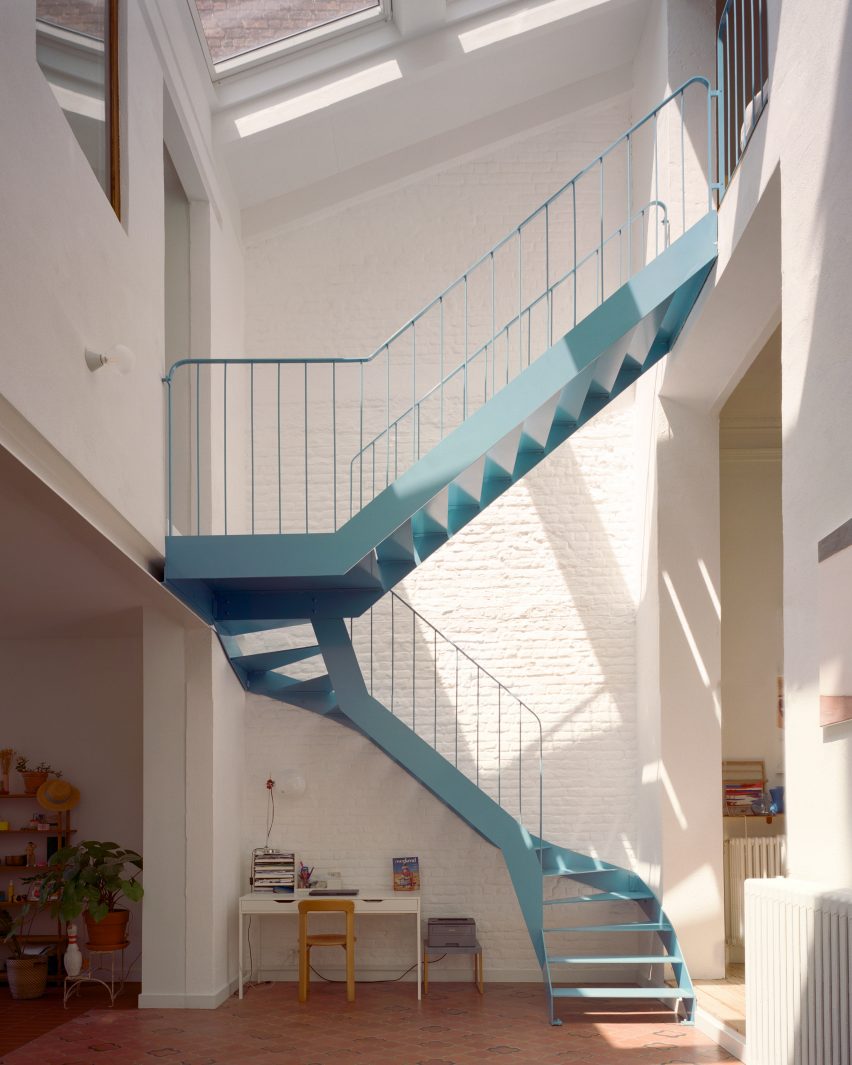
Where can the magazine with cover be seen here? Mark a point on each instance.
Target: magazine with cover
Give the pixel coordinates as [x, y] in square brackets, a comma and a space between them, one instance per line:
[406, 874]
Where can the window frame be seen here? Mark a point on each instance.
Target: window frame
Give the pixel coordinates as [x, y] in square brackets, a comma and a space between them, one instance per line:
[304, 39]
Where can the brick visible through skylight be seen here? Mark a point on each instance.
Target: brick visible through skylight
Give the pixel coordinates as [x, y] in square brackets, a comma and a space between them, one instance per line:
[233, 27]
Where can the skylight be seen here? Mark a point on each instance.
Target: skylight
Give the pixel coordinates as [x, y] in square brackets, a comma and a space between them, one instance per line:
[234, 28]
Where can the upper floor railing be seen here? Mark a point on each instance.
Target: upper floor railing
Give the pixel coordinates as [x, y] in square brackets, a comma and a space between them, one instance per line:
[742, 73]
[300, 444]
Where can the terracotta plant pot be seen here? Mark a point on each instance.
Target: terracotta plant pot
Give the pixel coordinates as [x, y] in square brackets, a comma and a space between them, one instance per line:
[110, 933]
[33, 781]
[27, 977]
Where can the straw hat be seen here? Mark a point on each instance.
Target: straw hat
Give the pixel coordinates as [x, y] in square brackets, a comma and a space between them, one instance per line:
[57, 795]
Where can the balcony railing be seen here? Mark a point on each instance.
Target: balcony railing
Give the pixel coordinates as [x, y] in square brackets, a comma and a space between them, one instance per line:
[742, 58]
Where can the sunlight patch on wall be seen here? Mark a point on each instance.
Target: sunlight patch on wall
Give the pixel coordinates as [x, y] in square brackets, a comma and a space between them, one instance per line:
[531, 19]
[317, 99]
[687, 631]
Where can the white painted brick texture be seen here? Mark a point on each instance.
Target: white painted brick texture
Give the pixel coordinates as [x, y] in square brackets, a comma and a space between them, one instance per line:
[541, 588]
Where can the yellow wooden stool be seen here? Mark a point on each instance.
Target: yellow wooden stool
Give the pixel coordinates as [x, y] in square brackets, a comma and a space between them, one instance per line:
[344, 939]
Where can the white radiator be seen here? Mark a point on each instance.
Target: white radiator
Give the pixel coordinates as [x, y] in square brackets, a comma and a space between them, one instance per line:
[798, 973]
[762, 856]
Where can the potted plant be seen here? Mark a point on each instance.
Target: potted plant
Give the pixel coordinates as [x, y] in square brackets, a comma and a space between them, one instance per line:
[92, 878]
[34, 778]
[27, 972]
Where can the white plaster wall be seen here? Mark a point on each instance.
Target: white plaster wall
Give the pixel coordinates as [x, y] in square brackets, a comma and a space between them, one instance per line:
[813, 63]
[77, 704]
[752, 618]
[72, 276]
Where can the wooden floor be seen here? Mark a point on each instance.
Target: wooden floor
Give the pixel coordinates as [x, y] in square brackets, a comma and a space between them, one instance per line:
[725, 999]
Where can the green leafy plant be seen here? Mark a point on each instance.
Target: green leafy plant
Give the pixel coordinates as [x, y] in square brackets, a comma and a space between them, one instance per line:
[23, 766]
[90, 876]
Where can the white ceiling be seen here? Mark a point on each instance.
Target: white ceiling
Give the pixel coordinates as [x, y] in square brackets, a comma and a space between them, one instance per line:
[447, 101]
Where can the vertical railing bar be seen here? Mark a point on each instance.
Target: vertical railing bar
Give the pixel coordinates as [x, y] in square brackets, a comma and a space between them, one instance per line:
[441, 303]
[574, 236]
[373, 450]
[198, 449]
[413, 391]
[225, 443]
[520, 301]
[520, 763]
[477, 726]
[413, 672]
[547, 277]
[629, 214]
[499, 744]
[529, 336]
[620, 257]
[744, 55]
[278, 423]
[435, 656]
[360, 435]
[682, 163]
[729, 100]
[736, 82]
[393, 651]
[464, 385]
[334, 442]
[371, 650]
[493, 326]
[753, 97]
[656, 190]
[396, 450]
[251, 438]
[456, 762]
[169, 459]
[387, 416]
[306, 449]
[760, 45]
[603, 293]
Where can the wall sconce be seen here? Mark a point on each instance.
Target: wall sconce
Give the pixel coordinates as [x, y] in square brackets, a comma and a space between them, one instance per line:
[119, 358]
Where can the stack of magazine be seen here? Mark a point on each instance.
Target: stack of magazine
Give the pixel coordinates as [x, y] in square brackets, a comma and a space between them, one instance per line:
[273, 871]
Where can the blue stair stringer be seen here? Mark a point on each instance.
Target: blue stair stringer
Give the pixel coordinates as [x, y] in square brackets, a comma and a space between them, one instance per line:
[249, 584]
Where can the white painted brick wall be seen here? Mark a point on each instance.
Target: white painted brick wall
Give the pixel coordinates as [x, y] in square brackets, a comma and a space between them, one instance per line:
[541, 589]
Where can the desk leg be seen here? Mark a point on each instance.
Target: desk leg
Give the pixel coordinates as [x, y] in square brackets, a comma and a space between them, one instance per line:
[240, 954]
[419, 960]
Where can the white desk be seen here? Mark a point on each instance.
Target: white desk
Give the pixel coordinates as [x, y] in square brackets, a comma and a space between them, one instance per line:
[378, 903]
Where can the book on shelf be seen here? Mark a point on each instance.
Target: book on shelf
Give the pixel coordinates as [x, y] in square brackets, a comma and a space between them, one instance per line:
[406, 874]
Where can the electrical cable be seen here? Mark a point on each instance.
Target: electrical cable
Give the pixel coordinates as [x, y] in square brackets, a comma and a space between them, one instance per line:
[270, 801]
[392, 980]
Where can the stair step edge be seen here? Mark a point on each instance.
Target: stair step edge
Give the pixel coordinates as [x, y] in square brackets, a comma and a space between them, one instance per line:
[623, 992]
[626, 959]
[603, 896]
[627, 926]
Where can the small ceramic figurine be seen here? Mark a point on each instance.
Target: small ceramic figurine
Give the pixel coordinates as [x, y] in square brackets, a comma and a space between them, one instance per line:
[73, 958]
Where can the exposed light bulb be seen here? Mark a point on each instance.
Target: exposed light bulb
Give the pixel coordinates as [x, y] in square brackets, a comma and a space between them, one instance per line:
[119, 358]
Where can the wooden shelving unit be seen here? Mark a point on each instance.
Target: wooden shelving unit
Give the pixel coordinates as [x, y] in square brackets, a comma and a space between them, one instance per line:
[16, 873]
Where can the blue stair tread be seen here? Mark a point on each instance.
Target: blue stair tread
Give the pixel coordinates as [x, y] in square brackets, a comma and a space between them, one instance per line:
[607, 959]
[626, 926]
[602, 896]
[554, 870]
[622, 992]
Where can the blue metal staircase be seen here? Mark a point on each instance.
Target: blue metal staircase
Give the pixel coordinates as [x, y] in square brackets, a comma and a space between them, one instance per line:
[261, 581]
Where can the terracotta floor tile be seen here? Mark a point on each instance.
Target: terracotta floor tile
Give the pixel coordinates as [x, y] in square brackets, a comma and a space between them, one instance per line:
[385, 1026]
